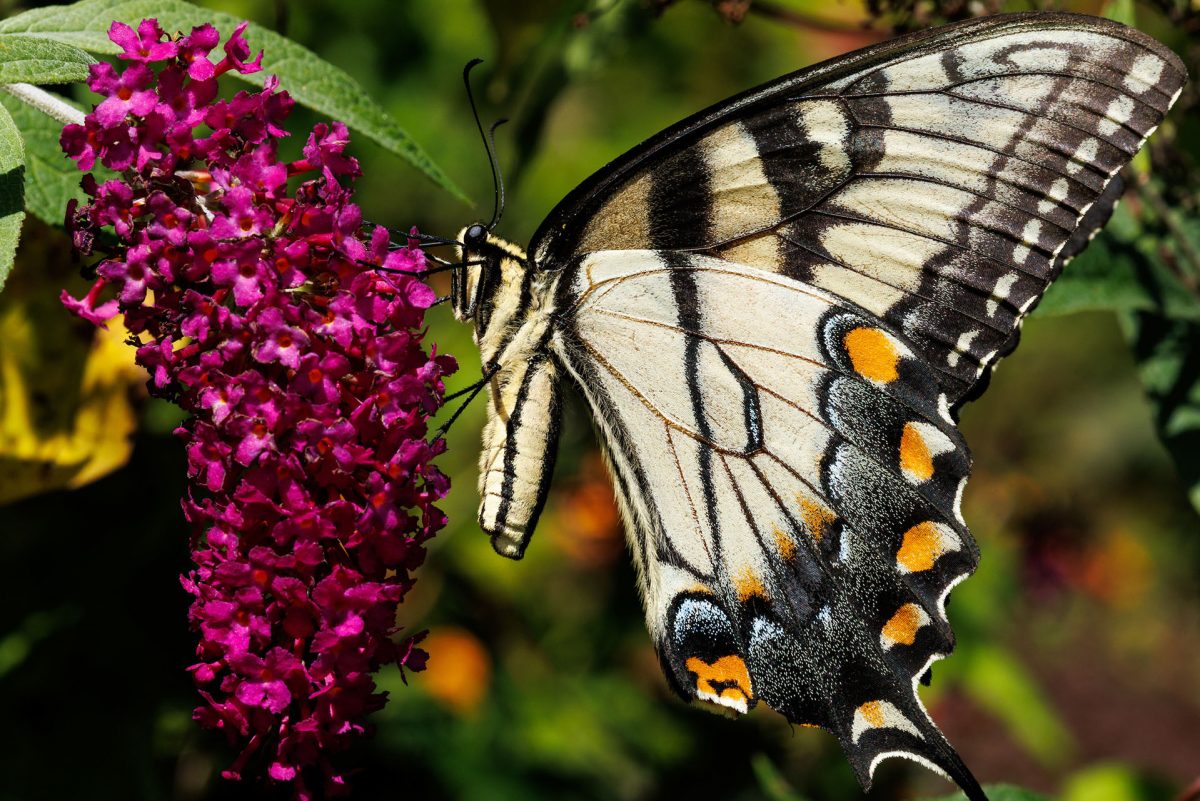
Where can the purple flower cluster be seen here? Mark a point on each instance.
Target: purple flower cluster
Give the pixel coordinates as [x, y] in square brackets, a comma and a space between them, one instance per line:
[293, 338]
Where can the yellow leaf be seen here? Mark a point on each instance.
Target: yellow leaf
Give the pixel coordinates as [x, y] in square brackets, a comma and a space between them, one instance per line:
[67, 391]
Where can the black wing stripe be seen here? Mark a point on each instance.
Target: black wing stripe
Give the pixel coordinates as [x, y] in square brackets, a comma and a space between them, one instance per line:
[971, 288]
[679, 205]
[683, 284]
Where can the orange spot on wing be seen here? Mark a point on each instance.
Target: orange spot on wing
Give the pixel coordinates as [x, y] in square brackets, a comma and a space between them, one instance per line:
[783, 542]
[915, 458]
[749, 585]
[872, 354]
[735, 694]
[902, 628]
[816, 517]
[872, 713]
[729, 672]
[921, 547]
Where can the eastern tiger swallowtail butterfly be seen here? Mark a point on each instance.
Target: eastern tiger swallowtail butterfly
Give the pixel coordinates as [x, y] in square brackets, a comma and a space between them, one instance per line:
[774, 310]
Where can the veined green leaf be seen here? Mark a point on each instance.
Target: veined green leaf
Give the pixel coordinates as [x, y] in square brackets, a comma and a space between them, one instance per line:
[12, 198]
[32, 59]
[312, 82]
[1119, 276]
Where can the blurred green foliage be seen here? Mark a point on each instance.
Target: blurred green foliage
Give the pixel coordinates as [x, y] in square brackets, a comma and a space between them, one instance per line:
[1003, 793]
[1079, 637]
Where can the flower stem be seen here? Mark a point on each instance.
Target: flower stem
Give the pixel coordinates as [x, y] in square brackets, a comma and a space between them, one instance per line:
[45, 102]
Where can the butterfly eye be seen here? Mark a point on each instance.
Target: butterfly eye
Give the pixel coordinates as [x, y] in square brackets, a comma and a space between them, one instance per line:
[475, 237]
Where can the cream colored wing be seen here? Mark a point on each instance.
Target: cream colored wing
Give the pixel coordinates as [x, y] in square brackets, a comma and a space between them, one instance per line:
[790, 479]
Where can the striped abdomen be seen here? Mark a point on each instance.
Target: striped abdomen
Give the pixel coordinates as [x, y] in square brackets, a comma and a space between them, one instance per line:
[519, 444]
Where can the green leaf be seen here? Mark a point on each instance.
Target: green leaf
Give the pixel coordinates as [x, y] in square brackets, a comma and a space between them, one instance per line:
[1120, 271]
[1002, 685]
[1168, 355]
[772, 783]
[51, 179]
[12, 198]
[1002, 792]
[1118, 276]
[29, 59]
[1122, 11]
[1147, 270]
[310, 81]
[1111, 781]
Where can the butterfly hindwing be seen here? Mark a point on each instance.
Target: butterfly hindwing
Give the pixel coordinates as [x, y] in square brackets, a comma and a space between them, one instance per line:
[934, 181]
[792, 489]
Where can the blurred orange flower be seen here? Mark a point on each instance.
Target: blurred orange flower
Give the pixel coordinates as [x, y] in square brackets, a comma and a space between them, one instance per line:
[1117, 570]
[460, 668]
[584, 521]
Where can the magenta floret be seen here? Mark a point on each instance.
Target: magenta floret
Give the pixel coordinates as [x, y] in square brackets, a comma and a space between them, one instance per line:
[293, 337]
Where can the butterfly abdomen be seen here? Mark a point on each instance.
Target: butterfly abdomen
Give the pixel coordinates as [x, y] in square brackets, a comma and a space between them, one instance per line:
[517, 460]
[513, 314]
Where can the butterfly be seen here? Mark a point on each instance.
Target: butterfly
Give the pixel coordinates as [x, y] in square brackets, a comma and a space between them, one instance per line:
[774, 310]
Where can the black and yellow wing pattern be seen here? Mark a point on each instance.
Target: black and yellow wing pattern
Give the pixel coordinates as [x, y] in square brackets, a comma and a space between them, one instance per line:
[774, 310]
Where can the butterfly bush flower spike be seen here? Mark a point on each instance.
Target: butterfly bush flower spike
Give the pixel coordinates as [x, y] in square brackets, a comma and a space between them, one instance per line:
[292, 335]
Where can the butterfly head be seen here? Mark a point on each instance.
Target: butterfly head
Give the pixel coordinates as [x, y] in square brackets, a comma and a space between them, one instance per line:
[465, 281]
[487, 265]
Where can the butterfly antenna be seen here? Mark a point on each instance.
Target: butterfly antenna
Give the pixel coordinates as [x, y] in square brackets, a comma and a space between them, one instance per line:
[498, 212]
[497, 185]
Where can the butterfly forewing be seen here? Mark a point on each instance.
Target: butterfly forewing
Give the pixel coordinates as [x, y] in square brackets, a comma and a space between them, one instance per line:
[935, 185]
